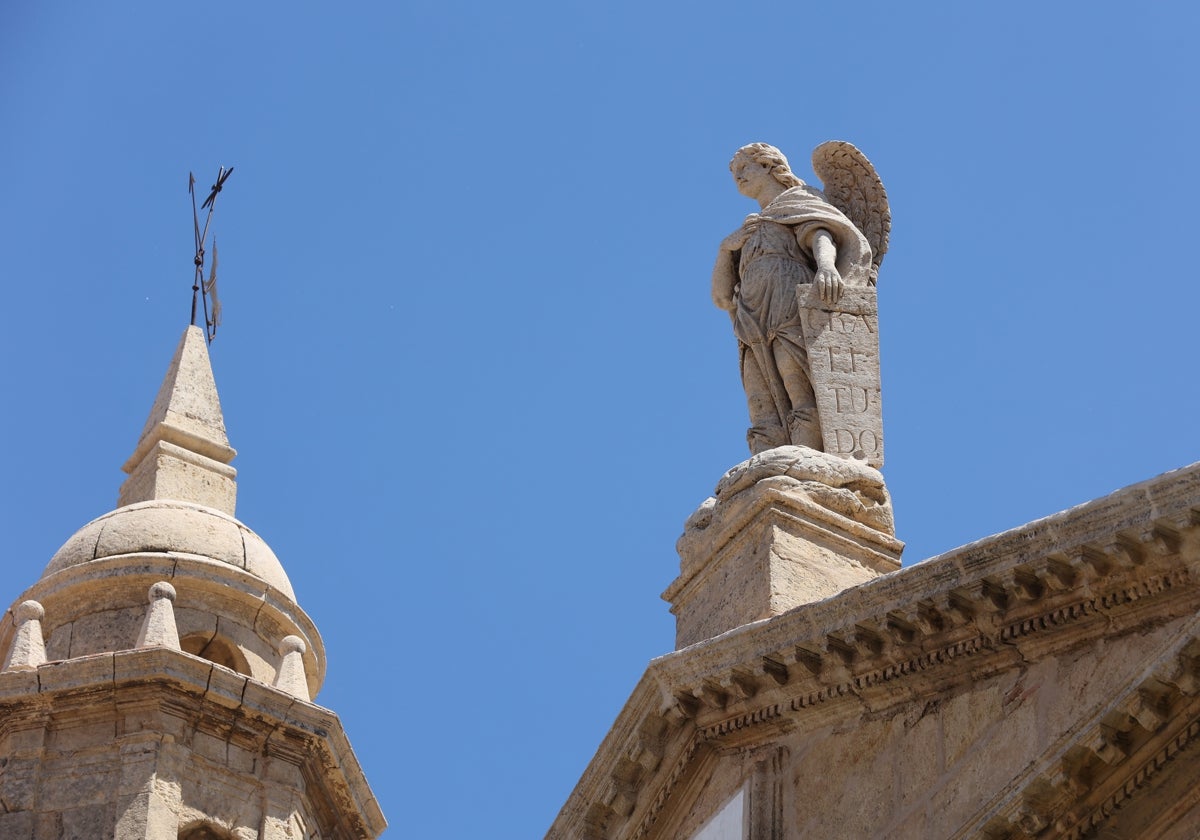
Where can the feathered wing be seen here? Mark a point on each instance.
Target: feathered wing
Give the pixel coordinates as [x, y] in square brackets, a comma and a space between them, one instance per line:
[852, 186]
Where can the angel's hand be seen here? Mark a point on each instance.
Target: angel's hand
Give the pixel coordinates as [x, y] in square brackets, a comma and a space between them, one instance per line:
[829, 284]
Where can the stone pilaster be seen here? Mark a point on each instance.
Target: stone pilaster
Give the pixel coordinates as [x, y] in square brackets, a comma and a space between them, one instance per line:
[148, 803]
[770, 794]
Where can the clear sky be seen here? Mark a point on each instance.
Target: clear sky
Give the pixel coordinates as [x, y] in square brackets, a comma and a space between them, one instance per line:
[469, 358]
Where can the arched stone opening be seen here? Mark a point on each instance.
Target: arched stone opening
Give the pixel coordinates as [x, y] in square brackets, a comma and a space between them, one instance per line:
[215, 649]
[204, 832]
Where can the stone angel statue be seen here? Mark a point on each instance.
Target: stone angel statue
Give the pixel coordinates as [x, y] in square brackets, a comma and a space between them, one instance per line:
[833, 240]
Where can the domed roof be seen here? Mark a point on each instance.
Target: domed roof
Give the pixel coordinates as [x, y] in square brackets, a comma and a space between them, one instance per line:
[166, 525]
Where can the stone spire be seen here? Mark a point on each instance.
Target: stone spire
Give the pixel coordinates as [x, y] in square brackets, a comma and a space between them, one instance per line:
[184, 453]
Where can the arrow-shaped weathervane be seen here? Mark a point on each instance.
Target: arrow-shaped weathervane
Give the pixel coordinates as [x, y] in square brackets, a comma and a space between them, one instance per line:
[201, 288]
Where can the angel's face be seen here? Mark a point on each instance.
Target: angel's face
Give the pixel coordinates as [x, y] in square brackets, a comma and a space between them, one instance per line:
[753, 179]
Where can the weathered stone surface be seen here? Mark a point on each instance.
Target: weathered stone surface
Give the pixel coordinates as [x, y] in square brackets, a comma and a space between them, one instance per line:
[103, 630]
[18, 683]
[18, 825]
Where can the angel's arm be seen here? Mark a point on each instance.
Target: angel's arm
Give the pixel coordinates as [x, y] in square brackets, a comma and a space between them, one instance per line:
[725, 271]
[828, 279]
[724, 279]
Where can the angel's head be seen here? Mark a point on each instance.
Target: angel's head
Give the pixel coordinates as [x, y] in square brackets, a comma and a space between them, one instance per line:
[766, 157]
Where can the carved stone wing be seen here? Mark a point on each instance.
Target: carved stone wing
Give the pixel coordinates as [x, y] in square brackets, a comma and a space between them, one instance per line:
[852, 186]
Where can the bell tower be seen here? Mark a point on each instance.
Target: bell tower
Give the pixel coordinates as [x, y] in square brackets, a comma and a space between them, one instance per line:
[157, 680]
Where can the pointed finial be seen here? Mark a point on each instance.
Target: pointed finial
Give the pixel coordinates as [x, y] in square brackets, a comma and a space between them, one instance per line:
[158, 627]
[291, 677]
[184, 453]
[28, 648]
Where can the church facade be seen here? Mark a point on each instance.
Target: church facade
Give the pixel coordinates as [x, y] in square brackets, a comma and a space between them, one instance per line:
[1040, 683]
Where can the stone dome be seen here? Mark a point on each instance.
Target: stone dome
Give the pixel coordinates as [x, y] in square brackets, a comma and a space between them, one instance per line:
[173, 540]
[164, 525]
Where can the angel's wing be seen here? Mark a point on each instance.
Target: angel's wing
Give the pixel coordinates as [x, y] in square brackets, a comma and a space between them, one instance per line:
[852, 186]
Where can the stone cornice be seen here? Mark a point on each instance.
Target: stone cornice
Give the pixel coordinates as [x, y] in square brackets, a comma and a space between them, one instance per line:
[207, 696]
[1111, 564]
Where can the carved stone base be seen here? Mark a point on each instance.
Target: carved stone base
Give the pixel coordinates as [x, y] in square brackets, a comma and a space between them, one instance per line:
[779, 534]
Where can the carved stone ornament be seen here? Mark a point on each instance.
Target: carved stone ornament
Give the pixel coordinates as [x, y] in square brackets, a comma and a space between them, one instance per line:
[783, 277]
[852, 489]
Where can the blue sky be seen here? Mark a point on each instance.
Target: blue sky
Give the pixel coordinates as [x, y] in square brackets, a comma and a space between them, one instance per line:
[468, 355]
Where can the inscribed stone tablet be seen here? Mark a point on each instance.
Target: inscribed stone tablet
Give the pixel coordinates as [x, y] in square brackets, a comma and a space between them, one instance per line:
[843, 355]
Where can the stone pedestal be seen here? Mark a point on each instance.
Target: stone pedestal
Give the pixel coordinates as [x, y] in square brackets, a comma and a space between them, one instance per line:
[762, 547]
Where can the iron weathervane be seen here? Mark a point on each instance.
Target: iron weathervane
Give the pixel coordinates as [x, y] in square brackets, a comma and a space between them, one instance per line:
[201, 288]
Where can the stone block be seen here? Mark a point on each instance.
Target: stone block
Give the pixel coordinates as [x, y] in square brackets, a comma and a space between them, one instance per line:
[210, 747]
[169, 471]
[24, 740]
[88, 823]
[72, 781]
[766, 552]
[239, 759]
[106, 631]
[75, 673]
[18, 783]
[18, 825]
[58, 642]
[16, 684]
